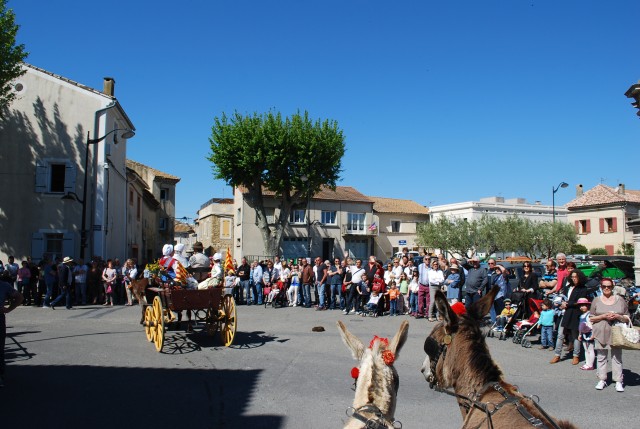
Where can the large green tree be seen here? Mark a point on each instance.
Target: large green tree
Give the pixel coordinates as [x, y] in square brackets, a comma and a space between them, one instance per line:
[11, 55]
[292, 157]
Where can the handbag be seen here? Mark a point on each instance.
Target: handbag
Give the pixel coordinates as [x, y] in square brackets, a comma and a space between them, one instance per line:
[109, 290]
[625, 336]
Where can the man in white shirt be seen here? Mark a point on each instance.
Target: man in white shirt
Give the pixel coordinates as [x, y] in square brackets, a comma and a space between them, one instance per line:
[423, 288]
[436, 280]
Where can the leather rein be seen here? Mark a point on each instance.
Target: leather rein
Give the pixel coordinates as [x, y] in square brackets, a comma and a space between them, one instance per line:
[378, 421]
[489, 408]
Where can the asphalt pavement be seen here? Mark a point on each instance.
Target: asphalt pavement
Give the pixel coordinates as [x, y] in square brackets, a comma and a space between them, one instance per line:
[93, 366]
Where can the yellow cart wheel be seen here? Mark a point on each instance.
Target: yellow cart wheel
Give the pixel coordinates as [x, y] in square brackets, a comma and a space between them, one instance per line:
[158, 316]
[228, 322]
[149, 324]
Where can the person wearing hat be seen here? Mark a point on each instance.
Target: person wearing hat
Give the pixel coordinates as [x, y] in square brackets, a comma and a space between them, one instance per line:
[505, 315]
[586, 335]
[452, 282]
[177, 253]
[476, 282]
[65, 281]
[199, 259]
[168, 262]
[216, 269]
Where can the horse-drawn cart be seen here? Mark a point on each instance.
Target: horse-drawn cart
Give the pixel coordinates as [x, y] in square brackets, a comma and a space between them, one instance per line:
[213, 307]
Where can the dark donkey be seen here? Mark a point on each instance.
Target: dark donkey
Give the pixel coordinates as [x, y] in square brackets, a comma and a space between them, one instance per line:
[458, 359]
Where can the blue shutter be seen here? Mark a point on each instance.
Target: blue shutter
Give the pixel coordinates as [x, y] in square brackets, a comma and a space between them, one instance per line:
[37, 246]
[42, 171]
[69, 178]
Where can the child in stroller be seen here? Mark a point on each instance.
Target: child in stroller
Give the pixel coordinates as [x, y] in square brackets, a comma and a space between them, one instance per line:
[524, 328]
[371, 307]
[504, 316]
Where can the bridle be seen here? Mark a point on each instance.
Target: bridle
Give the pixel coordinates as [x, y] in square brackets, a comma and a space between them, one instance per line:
[378, 421]
[473, 400]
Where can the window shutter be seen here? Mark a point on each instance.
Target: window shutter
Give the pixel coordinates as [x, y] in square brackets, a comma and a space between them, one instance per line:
[69, 178]
[614, 224]
[588, 226]
[601, 225]
[609, 249]
[42, 170]
[577, 227]
[37, 246]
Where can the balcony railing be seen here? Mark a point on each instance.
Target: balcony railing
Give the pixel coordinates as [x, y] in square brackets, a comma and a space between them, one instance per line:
[366, 230]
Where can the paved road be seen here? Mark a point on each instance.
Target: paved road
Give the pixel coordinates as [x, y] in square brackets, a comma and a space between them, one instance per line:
[92, 366]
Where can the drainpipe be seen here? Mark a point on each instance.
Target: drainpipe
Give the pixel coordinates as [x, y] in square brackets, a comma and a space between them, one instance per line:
[96, 133]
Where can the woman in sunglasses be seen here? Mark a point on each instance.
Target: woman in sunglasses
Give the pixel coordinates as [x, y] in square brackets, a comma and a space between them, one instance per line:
[607, 310]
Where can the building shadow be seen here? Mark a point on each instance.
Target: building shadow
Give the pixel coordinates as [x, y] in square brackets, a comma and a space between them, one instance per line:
[107, 397]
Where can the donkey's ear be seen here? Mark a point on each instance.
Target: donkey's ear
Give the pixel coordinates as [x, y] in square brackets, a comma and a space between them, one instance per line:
[351, 341]
[444, 309]
[482, 307]
[398, 340]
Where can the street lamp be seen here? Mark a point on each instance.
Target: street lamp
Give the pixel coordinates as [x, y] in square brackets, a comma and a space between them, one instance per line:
[126, 134]
[305, 180]
[561, 185]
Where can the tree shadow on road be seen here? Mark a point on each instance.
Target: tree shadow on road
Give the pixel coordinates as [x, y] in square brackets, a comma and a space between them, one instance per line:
[108, 397]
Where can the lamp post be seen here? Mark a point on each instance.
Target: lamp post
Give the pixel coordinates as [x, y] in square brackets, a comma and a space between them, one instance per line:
[553, 198]
[126, 134]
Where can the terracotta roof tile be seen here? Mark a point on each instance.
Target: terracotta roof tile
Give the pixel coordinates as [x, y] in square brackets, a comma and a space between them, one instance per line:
[342, 193]
[392, 205]
[603, 195]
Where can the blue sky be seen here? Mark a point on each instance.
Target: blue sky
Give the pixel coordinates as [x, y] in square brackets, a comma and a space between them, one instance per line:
[439, 101]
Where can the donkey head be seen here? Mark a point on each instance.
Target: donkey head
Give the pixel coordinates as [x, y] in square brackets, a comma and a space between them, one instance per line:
[456, 349]
[377, 380]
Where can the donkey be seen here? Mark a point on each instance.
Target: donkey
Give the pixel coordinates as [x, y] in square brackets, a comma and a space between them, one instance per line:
[377, 381]
[458, 359]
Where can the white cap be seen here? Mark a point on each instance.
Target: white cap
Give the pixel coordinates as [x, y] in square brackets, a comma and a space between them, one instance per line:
[179, 247]
[217, 256]
[167, 249]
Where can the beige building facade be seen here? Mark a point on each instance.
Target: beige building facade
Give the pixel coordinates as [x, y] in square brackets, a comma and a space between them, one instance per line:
[601, 216]
[215, 226]
[44, 137]
[333, 223]
[397, 221]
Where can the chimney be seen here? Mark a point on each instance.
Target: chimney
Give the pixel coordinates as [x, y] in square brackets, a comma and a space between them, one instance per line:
[109, 86]
[621, 188]
[579, 191]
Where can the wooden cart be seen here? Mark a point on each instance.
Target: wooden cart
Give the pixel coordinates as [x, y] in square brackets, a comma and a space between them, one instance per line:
[213, 307]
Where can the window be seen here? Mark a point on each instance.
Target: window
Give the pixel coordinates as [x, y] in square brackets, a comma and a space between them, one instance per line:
[130, 197]
[583, 226]
[395, 226]
[53, 246]
[139, 208]
[328, 217]
[297, 216]
[355, 221]
[55, 176]
[225, 228]
[163, 224]
[238, 216]
[164, 194]
[608, 224]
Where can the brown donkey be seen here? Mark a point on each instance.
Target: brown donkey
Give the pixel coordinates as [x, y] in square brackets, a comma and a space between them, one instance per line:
[458, 359]
[376, 379]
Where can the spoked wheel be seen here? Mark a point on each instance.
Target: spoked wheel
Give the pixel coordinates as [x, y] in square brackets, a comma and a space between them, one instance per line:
[149, 324]
[526, 343]
[158, 315]
[228, 323]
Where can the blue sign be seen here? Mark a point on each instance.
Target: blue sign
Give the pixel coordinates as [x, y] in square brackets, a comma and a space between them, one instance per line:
[402, 242]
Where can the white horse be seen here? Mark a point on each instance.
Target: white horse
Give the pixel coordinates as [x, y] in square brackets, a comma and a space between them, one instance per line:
[377, 381]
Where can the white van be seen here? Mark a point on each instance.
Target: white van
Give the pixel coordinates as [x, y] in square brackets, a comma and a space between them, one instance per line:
[412, 254]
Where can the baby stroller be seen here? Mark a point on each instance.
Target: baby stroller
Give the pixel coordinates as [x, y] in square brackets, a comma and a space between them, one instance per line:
[275, 299]
[524, 306]
[524, 328]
